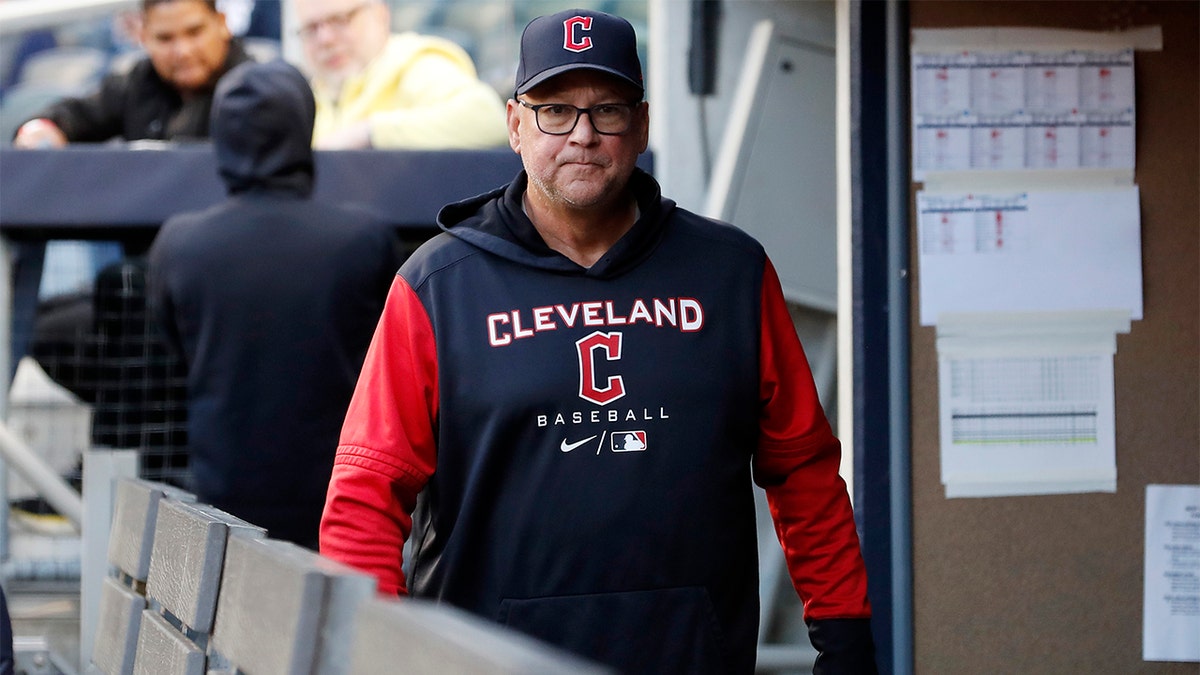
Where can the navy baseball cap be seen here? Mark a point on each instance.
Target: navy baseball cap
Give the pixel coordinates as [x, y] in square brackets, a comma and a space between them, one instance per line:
[578, 38]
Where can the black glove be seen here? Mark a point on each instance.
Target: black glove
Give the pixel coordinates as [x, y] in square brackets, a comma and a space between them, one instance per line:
[844, 646]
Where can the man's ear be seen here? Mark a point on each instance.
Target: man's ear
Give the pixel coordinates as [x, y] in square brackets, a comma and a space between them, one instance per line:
[643, 126]
[512, 117]
[224, 26]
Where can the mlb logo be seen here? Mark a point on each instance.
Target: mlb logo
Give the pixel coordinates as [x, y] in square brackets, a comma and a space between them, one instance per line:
[628, 441]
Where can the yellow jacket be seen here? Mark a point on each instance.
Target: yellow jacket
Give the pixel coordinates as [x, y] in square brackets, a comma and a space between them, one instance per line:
[420, 92]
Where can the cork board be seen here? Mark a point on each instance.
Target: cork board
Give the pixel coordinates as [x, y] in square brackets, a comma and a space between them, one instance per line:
[1053, 583]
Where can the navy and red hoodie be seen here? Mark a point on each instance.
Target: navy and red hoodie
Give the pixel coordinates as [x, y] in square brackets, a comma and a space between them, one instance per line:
[571, 450]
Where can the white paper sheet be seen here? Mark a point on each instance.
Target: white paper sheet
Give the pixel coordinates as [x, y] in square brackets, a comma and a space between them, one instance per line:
[1171, 618]
[1029, 251]
[1026, 403]
[1008, 38]
[976, 109]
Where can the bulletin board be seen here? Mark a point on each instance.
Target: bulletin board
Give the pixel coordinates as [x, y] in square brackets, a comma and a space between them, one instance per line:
[1054, 583]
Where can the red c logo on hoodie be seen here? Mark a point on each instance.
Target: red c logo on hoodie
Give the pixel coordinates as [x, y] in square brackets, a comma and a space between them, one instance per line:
[609, 344]
[572, 41]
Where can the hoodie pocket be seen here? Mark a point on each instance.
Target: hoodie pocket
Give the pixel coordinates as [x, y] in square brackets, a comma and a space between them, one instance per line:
[663, 631]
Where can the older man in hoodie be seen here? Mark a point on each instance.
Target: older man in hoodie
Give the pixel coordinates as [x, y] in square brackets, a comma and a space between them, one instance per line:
[271, 297]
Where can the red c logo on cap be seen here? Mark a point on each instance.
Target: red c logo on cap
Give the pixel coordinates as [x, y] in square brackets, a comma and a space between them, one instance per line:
[571, 41]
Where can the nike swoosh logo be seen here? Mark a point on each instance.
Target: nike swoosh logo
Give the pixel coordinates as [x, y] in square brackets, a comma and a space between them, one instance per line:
[567, 447]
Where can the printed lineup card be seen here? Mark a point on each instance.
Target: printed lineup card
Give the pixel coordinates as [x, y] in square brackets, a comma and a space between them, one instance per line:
[1029, 251]
[1023, 109]
[1026, 415]
[1171, 616]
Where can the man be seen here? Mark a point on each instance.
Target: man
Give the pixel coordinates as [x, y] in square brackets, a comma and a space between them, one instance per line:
[165, 96]
[377, 90]
[570, 390]
[271, 298]
[6, 637]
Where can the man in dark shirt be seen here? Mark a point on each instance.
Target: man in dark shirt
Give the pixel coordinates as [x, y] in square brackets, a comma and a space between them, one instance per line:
[271, 297]
[165, 96]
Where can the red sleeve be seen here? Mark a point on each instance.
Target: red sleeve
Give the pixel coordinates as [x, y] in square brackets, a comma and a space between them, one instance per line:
[386, 452]
[797, 464]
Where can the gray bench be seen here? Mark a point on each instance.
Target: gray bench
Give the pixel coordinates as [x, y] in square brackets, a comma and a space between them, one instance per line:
[184, 581]
[122, 595]
[418, 637]
[285, 609]
[194, 590]
[162, 649]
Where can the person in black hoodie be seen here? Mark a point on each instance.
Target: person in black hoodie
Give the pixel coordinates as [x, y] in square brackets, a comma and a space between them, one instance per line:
[6, 637]
[572, 391]
[164, 96]
[271, 297]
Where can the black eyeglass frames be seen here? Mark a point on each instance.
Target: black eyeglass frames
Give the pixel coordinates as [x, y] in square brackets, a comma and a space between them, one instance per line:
[559, 119]
[337, 22]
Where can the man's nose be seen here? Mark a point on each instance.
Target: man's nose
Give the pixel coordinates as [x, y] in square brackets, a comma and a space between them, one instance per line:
[584, 131]
[324, 31]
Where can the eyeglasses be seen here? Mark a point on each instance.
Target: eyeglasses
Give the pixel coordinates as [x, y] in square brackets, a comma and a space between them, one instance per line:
[337, 22]
[559, 119]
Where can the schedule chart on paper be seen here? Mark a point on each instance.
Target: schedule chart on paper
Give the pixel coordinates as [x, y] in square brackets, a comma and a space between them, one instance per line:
[1018, 110]
[1025, 400]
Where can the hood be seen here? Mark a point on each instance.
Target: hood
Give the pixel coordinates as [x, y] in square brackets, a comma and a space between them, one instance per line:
[496, 222]
[261, 128]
